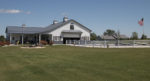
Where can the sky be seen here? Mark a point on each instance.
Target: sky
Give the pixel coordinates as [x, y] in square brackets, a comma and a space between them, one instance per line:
[97, 15]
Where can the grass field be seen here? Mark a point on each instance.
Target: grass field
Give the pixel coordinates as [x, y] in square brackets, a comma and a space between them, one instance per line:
[64, 63]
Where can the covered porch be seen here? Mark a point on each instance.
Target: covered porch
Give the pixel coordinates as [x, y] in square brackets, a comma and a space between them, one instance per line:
[29, 38]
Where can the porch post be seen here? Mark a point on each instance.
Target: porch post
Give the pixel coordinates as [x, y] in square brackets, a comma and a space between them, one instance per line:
[39, 38]
[10, 38]
[51, 37]
[22, 39]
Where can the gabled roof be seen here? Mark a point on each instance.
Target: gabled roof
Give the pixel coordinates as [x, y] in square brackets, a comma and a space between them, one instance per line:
[60, 24]
[107, 37]
[124, 37]
[33, 30]
[113, 37]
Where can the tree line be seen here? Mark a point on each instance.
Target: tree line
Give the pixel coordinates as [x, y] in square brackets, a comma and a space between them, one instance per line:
[111, 32]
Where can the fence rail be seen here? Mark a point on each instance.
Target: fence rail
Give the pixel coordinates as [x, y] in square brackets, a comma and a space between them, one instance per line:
[111, 43]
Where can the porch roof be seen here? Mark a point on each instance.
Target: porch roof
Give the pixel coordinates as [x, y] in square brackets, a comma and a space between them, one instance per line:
[23, 30]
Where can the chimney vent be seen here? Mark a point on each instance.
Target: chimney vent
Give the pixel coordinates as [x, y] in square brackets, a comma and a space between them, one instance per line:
[55, 22]
[65, 19]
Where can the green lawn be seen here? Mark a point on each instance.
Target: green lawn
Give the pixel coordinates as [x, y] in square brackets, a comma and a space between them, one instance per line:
[64, 63]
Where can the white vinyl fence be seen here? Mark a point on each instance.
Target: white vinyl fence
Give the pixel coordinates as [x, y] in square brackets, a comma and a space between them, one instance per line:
[111, 43]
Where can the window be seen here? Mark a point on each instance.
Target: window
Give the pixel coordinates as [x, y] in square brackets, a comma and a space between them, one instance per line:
[13, 38]
[85, 38]
[56, 38]
[72, 26]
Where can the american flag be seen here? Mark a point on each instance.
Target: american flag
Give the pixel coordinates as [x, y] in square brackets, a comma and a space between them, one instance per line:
[141, 22]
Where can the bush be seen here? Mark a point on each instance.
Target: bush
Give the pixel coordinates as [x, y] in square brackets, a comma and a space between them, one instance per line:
[2, 38]
[4, 43]
[144, 36]
[134, 36]
[51, 43]
[7, 43]
[43, 42]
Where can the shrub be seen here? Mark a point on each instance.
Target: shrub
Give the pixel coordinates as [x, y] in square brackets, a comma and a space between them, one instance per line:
[2, 38]
[2, 43]
[144, 36]
[43, 42]
[51, 43]
[7, 43]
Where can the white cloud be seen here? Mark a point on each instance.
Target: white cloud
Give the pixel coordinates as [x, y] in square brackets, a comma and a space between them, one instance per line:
[13, 11]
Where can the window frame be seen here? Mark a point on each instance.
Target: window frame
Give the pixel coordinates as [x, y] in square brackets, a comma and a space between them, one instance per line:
[72, 26]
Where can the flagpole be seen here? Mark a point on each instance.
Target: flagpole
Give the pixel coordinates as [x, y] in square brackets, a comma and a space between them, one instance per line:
[143, 31]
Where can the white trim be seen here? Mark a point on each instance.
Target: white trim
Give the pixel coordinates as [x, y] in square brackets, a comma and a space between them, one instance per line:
[10, 38]
[39, 38]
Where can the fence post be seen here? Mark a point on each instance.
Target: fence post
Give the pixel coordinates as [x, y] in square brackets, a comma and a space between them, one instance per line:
[79, 42]
[93, 44]
[118, 43]
[66, 41]
[133, 42]
[70, 41]
[99, 44]
[105, 44]
[74, 42]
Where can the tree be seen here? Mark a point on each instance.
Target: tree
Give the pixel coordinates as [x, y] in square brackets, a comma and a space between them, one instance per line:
[98, 37]
[117, 35]
[2, 38]
[93, 36]
[134, 36]
[144, 36]
[109, 32]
